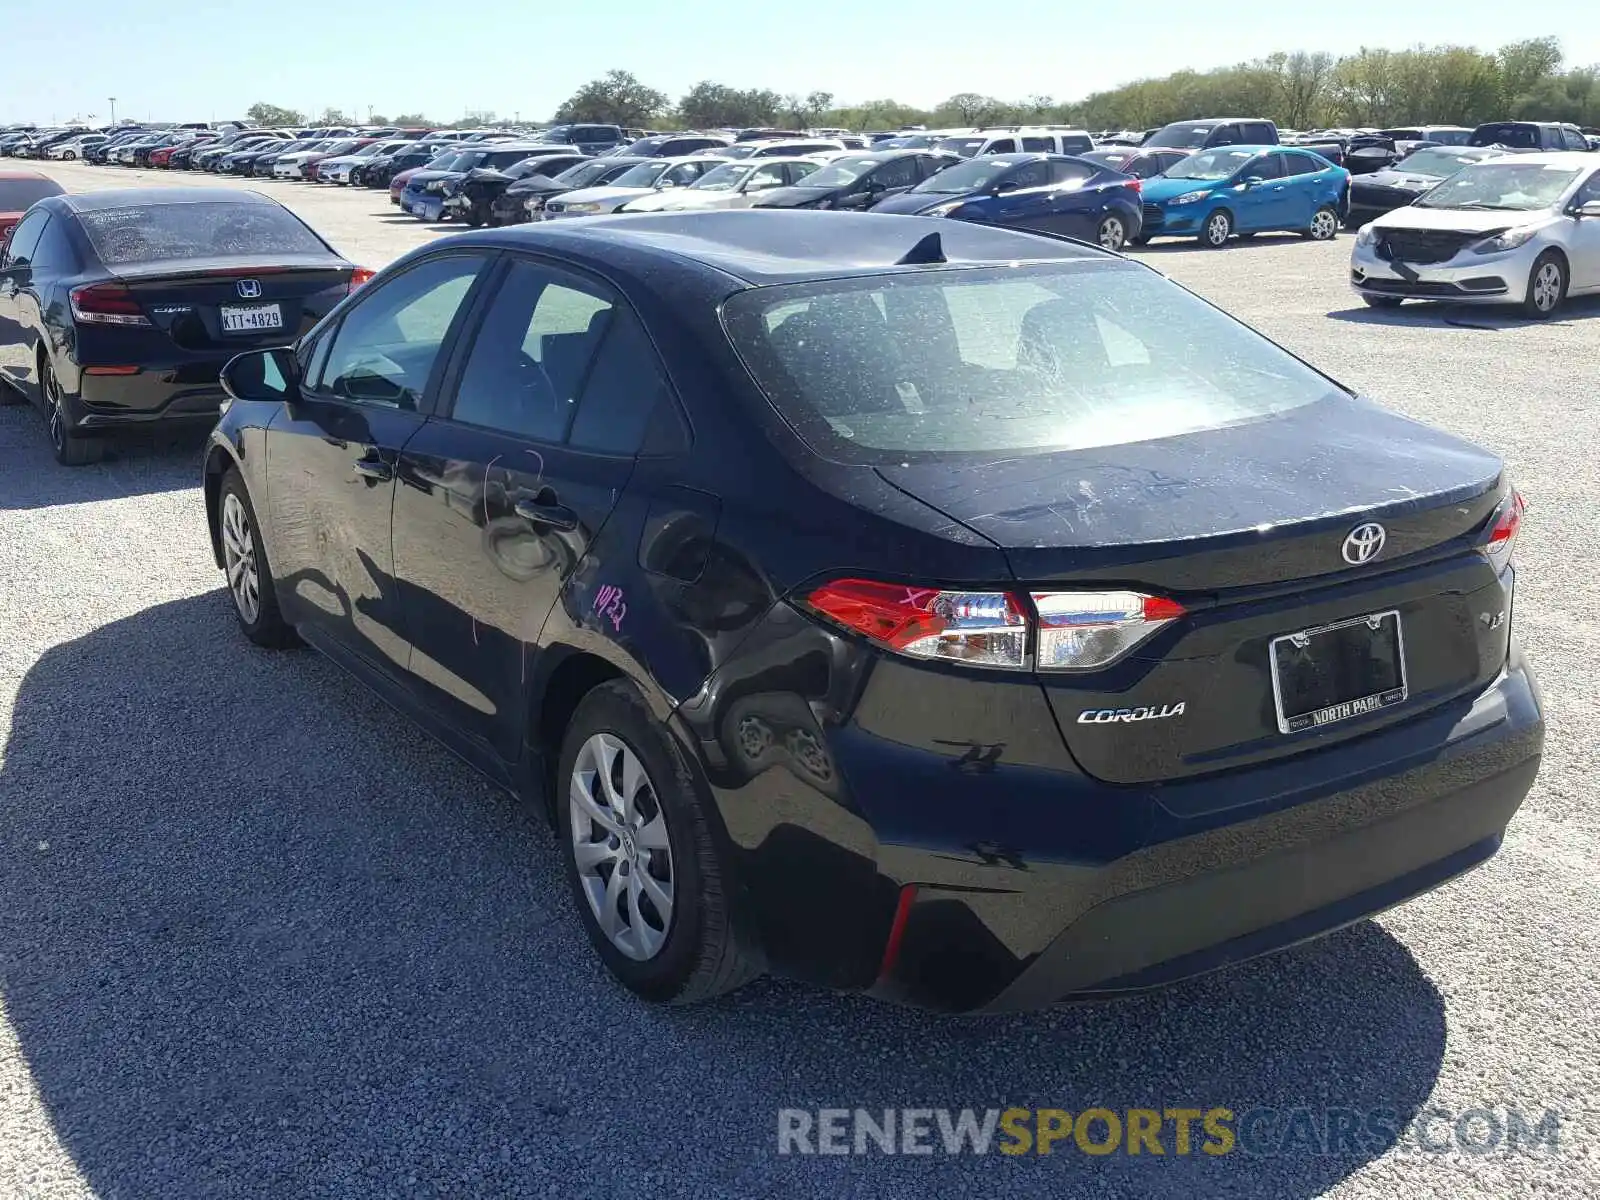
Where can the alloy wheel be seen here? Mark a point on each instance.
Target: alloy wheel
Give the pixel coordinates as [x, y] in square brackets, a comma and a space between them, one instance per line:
[1217, 229]
[620, 846]
[1547, 287]
[1113, 235]
[239, 558]
[1324, 225]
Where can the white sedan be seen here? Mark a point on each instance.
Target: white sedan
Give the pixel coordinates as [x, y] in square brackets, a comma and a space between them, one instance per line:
[1523, 229]
[731, 185]
[656, 174]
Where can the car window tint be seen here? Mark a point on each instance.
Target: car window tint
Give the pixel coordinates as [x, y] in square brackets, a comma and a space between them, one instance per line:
[1038, 144]
[532, 355]
[19, 251]
[1001, 146]
[764, 177]
[623, 389]
[385, 347]
[1589, 192]
[799, 170]
[54, 254]
[1069, 175]
[1006, 360]
[1030, 175]
[17, 195]
[1267, 166]
[897, 173]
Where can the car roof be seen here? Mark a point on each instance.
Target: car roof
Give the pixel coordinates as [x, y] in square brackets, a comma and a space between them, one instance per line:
[12, 175]
[759, 247]
[112, 198]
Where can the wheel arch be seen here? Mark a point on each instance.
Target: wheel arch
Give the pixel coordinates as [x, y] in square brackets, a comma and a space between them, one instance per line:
[218, 461]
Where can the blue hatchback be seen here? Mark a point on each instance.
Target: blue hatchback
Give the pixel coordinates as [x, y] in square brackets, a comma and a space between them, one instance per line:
[1047, 193]
[1246, 190]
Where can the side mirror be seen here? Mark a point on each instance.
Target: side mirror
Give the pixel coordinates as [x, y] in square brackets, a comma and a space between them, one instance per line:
[269, 375]
[1589, 209]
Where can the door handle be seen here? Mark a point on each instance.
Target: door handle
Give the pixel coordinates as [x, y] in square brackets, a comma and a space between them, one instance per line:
[551, 515]
[374, 469]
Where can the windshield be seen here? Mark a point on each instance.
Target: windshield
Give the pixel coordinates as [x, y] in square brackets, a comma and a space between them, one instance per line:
[1435, 162]
[842, 171]
[964, 146]
[1212, 164]
[964, 177]
[1513, 186]
[158, 232]
[1182, 137]
[724, 178]
[17, 194]
[585, 173]
[1016, 360]
[643, 175]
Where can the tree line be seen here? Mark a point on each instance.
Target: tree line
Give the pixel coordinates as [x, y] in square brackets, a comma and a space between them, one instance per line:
[1451, 85]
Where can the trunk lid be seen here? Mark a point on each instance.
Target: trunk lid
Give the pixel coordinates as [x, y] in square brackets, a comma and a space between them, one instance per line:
[186, 298]
[1245, 527]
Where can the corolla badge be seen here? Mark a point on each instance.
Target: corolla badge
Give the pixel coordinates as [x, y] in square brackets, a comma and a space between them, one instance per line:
[1362, 544]
[1144, 712]
[249, 289]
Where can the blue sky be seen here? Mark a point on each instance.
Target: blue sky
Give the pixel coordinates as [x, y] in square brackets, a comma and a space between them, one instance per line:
[168, 59]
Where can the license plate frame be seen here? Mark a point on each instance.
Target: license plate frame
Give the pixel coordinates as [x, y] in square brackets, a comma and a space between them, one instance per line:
[1342, 710]
[233, 317]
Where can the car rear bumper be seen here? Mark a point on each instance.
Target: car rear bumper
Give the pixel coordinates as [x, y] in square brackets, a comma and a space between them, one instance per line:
[183, 392]
[1192, 904]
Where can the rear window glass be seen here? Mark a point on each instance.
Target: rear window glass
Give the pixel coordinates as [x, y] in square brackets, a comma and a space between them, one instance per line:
[1014, 361]
[157, 232]
[17, 194]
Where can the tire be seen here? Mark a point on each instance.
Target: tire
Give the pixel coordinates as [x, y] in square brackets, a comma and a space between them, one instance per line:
[1142, 240]
[70, 155]
[1112, 233]
[690, 953]
[1214, 234]
[71, 450]
[1324, 225]
[245, 556]
[1547, 286]
[476, 216]
[1381, 301]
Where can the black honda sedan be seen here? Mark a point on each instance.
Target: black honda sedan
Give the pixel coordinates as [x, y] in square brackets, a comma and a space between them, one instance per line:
[917, 607]
[119, 308]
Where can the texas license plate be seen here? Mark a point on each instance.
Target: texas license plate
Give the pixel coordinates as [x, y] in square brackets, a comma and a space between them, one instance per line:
[251, 318]
[1335, 672]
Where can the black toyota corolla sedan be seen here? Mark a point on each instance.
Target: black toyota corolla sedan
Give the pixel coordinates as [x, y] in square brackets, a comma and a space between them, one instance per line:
[119, 308]
[964, 616]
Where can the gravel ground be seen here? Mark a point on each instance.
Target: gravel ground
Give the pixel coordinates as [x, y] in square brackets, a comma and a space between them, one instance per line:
[258, 938]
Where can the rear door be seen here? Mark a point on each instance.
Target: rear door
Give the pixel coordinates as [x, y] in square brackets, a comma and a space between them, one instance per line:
[1586, 237]
[332, 456]
[1080, 197]
[1302, 189]
[502, 497]
[16, 278]
[1264, 203]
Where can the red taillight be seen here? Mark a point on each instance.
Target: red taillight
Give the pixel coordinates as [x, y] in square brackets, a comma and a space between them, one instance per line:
[106, 304]
[1136, 184]
[1074, 631]
[360, 276]
[1503, 533]
[897, 931]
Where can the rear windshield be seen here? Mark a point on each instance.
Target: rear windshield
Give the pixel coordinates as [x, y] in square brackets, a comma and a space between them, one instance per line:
[17, 194]
[1006, 360]
[1509, 133]
[1182, 137]
[157, 232]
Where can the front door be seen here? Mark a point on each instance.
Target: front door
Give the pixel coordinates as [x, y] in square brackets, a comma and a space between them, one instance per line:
[332, 455]
[501, 498]
[1260, 200]
[1025, 201]
[1585, 255]
[16, 279]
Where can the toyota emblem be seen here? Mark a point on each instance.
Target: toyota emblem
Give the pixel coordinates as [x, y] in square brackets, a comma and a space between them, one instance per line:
[249, 289]
[1363, 543]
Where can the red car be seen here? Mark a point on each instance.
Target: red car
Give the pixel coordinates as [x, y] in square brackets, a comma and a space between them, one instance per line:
[18, 191]
[163, 157]
[398, 183]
